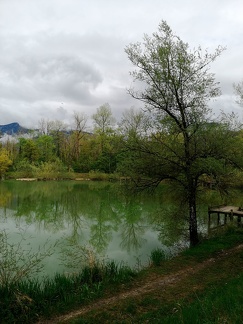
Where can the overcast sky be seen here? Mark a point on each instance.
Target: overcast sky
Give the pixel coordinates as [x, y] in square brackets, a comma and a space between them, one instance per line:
[61, 56]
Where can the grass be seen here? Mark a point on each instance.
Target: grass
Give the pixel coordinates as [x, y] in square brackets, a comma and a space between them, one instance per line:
[224, 239]
[220, 304]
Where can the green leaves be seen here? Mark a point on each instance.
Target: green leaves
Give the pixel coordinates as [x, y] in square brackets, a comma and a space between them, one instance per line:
[5, 161]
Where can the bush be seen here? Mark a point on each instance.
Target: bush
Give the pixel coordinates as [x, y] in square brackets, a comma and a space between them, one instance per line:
[42, 171]
[24, 169]
[51, 170]
[157, 256]
[98, 176]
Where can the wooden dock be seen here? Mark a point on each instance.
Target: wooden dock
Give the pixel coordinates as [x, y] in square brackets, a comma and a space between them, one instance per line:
[227, 211]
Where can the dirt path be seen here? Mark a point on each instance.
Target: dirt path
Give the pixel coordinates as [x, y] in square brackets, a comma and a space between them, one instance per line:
[158, 283]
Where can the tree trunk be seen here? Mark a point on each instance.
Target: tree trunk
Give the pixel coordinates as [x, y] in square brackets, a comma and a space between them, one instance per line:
[193, 220]
[192, 189]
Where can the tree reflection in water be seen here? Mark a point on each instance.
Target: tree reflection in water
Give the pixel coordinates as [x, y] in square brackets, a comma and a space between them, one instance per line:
[100, 216]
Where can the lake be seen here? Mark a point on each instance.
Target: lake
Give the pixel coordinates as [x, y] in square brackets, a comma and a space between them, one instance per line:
[77, 220]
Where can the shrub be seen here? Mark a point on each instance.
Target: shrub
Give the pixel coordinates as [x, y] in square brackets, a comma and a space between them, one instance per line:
[157, 256]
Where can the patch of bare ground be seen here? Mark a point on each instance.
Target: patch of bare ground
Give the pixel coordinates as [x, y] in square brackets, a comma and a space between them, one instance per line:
[154, 284]
[26, 179]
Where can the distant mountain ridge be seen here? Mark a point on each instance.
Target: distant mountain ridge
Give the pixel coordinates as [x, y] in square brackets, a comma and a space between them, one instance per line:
[12, 129]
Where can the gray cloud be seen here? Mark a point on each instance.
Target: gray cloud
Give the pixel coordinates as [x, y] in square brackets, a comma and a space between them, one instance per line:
[35, 78]
[72, 52]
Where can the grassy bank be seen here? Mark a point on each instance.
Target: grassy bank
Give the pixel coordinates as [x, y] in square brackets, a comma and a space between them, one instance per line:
[202, 292]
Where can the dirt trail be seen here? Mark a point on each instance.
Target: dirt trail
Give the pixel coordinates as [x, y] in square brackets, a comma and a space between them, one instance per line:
[160, 282]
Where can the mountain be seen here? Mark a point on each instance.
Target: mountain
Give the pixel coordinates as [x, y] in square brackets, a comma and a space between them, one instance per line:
[13, 128]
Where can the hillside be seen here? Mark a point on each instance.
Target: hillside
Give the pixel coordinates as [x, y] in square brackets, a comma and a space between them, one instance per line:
[12, 129]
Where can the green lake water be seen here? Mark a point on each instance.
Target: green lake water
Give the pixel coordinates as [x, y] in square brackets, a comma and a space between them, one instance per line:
[76, 220]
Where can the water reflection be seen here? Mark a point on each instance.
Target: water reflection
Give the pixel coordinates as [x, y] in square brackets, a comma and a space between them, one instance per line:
[100, 216]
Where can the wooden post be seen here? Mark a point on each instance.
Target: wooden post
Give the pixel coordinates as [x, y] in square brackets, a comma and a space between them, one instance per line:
[239, 220]
[209, 219]
[231, 215]
[218, 218]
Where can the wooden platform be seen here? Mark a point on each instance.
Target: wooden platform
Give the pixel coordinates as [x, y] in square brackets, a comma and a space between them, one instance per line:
[227, 211]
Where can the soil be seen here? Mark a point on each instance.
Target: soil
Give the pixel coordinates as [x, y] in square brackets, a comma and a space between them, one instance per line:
[157, 282]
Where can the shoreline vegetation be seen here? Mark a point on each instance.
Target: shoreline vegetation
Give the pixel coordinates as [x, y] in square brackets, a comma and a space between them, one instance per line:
[206, 183]
[214, 266]
[91, 176]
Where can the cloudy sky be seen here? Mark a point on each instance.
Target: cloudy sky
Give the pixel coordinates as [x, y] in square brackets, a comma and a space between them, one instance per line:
[61, 56]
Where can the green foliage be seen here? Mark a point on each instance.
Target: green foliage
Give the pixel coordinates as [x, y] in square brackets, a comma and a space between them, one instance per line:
[29, 150]
[52, 170]
[106, 162]
[5, 161]
[24, 169]
[42, 171]
[46, 146]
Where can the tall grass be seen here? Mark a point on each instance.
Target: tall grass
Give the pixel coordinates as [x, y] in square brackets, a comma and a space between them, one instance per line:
[29, 300]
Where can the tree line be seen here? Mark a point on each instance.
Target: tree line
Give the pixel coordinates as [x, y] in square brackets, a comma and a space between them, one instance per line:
[78, 150]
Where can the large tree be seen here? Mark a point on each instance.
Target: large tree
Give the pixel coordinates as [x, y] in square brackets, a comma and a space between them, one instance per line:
[182, 143]
[104, 123]
[103, 119]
